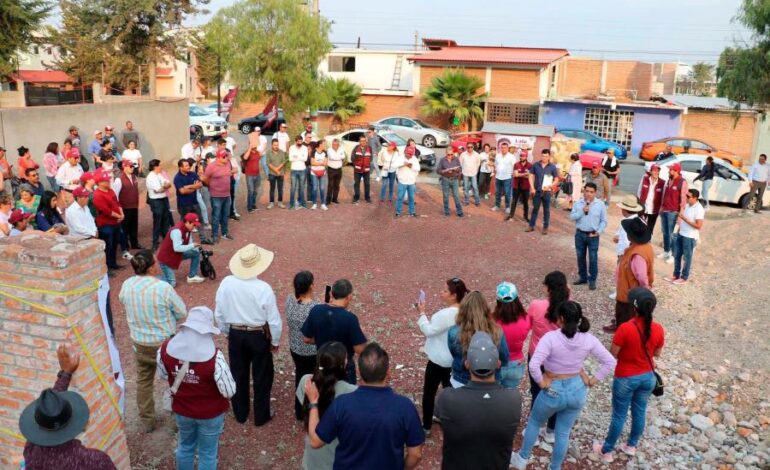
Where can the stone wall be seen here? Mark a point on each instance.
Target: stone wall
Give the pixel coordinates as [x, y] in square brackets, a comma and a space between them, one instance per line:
[48, 295]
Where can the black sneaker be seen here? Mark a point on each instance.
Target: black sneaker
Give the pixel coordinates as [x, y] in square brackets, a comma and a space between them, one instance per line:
[206, 241]
[592, 285]
[227, 236]
[579, 282]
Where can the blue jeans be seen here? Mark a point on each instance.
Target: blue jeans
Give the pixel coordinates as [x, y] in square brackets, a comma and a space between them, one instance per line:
[704, 194]
[110, 235]
[388, 182]
[683, 248]
[53, 183]
[511, 374]
[298, 186]
[220, 212]
[200, 434]
[544, 198]
[628, 392]
[503, 188]
[453, 186]
[667, 224]
[168, 274]
[202, 195]
[318, 184]
[565, 399]
[407, 189]
[252, 188]
[585, 243]
[471, 182]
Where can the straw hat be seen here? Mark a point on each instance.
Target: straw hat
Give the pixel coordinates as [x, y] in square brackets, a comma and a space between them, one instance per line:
[630, 203]
[250, 261]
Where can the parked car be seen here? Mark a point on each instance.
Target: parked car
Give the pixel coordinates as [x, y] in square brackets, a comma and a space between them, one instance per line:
[246, 125]
[651, 150]
[204, 124]
[588, 158]
[212, 109]
[349, 139]
[591, 141]
[411, 128]
[730, 185]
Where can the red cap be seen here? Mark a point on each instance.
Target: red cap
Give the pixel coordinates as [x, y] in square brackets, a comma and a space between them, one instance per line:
[675, 167]
[392, 145]
[17, 215]
[655, 167]
[107, 128]
[101, 176]
[596, 165]
[222, 153]
[409, 151]
[127, 163]
[524, 153]
[81, 192]
[88, 175]
[73, 152]
[192, 217]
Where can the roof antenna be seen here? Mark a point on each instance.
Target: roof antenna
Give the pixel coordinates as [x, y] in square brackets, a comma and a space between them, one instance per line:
[358, 43]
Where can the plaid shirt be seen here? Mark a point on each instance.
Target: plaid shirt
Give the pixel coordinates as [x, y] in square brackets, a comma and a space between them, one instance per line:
[152, 309]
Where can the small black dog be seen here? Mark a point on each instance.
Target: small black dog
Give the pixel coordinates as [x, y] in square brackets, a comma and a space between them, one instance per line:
[207, 269]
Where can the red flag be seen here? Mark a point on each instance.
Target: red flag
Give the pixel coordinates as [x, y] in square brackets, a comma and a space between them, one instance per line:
[271, 111]
[229, 99]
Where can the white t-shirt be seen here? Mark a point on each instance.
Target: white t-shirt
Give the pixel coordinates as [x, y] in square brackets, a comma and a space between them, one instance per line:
[504, 166]
[283, 140]
[319, 157]
[230, 144]
[407, 174]
[623, 243]
[297, 157]
[692, 212]
[484, 157]
[188, 151]
[132, 155]
[336, 157]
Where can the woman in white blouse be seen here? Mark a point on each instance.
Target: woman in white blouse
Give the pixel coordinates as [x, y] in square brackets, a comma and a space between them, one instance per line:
[336, 156]
[133, 155]
[318, 180]
[436, 348]
[576, 177]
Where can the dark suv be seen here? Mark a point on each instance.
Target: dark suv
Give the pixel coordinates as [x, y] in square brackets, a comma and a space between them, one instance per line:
[246, 125]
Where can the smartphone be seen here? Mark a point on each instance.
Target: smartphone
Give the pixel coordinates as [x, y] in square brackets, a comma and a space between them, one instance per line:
[328, 294]
[421, 297]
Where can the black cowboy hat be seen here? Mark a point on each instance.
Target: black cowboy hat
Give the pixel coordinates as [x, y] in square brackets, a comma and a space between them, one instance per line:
[637, 230]
[54, 418]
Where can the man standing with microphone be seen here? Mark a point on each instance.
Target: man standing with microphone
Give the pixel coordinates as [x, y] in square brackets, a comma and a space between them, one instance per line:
[590, 216]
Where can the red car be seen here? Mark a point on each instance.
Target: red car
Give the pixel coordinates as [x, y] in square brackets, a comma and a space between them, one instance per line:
[589, 157]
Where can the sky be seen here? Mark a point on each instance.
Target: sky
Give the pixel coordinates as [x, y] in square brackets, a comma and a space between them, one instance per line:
[651, 30]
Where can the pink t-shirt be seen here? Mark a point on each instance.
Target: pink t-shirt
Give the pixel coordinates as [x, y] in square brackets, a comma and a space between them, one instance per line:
[540, 325]
[515, 335]
[219, 179]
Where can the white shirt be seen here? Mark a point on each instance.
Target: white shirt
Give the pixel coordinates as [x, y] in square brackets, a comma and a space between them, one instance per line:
[319, 157]
[693, 212]
[68, 173]
[80, 221]
[297, 157]
[283, 140]
[154, 183]
[336, 157]
[230, 144]
[313, 136]
[470, 162]
[504, 166]
[436, 330]
[132, 155]
[207, 150]
[484, 158]
[759, 172]
[407, 174]
[386, 158]
[649, 202]
[623, 243]
[4, 220]
[189, 152]
[247, 302]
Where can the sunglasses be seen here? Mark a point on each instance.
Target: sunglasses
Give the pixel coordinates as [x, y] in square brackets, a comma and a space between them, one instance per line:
[32, 174]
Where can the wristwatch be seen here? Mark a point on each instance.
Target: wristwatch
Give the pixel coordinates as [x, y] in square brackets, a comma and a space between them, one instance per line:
[313, 405]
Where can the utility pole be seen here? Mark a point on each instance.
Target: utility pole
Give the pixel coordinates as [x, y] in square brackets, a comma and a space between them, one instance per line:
[416, 38]
[140, 79]
[219, 86]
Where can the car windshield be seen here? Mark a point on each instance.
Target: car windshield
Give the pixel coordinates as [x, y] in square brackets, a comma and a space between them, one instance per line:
[197, 111]
[391, 137]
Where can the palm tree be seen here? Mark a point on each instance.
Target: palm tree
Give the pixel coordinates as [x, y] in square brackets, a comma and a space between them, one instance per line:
[343, 97]
[454, 95]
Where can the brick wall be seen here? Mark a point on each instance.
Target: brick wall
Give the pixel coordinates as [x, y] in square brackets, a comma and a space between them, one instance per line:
[29, 337]
[579, 77]
[427, 73]
[721, 130]
[515, 84]
[629, 75]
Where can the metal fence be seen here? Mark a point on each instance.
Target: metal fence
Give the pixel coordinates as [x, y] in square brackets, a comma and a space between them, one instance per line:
[49, 96]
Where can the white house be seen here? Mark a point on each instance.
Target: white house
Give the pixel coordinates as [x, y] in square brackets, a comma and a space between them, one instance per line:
[378, 72]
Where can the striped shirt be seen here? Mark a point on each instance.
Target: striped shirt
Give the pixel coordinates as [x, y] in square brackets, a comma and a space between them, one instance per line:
[152, 309]
[222, 376]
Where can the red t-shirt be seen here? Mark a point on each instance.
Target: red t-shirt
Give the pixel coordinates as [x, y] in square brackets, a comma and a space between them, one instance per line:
[251, 166]
[219, 179]
[106, 202]
[631, 359]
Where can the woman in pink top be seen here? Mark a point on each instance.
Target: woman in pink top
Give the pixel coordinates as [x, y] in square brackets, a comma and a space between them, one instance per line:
[544, 319]
[513, 319]
[51, 162]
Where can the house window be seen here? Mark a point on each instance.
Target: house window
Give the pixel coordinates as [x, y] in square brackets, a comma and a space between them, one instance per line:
[342, 64]
[515, 113]
[617, 126]
[36, 50]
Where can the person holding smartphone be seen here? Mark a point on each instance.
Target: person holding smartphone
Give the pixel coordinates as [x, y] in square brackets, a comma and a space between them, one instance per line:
[435, 329]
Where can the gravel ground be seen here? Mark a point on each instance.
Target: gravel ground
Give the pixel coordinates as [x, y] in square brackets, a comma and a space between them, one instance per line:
[389, 260]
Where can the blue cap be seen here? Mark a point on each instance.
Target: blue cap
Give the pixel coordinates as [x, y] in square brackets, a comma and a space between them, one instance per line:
[507, 292]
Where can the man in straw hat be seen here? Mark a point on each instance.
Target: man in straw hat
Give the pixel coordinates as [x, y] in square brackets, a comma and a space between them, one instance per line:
[53, 421]
[635, 269]
[247, 312]
[200, 398]
[590, 216]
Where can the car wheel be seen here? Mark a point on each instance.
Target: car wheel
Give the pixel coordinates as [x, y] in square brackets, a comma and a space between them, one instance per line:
[196, 131]
[429, 141]
[245, 128]
[752, 203]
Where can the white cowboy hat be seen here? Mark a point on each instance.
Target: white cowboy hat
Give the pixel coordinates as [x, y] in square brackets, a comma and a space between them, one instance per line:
[630, 203]
[250, 261]
[195, 342]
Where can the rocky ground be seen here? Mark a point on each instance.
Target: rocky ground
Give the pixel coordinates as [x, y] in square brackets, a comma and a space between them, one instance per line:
[715, 363]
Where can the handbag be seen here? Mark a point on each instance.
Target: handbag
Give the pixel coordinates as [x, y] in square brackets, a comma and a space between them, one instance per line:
[168, 394]
[566, 187]
[658, 390]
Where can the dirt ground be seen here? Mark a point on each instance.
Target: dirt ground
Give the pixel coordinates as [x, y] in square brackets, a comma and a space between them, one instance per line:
[388, 260]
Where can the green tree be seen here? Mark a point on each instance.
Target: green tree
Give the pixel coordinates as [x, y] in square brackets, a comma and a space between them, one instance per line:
[702, 76]
[272, 47]
[744, 71]
[19, 19]
[343, 97]
[206, 61]
[454, 95]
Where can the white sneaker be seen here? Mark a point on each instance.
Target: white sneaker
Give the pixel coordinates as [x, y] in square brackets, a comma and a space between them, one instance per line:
[280, 204]
[128, 256]
[518, 462]
[195, 280]
[270, 206]
[495, 209]
[377, 179]
[548, 436]
[670, 260]
[665, 254]
[614, 295]
[323, 207]
[315, 206]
